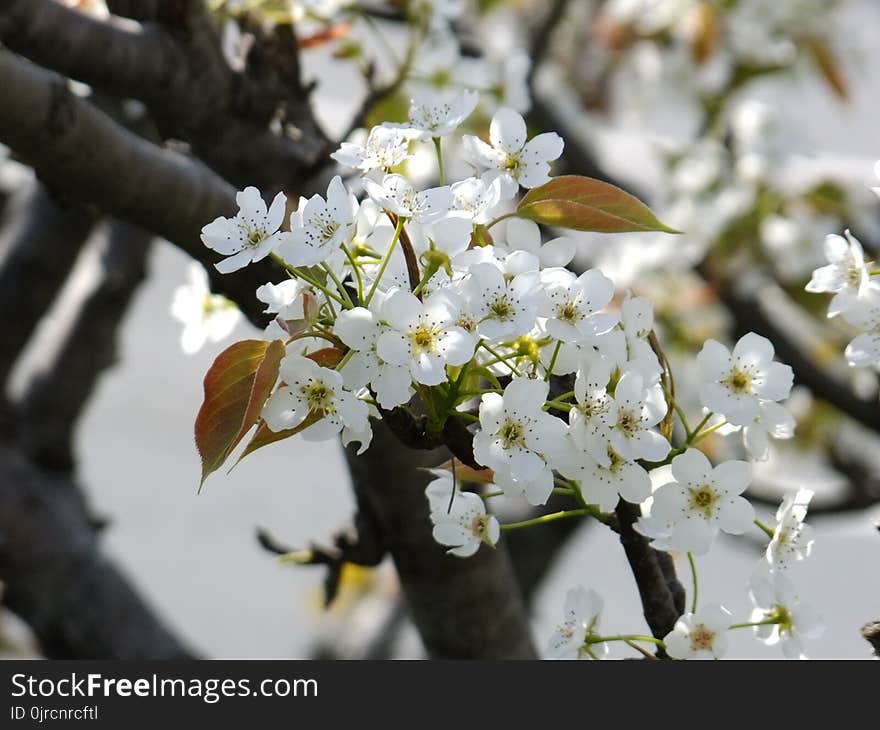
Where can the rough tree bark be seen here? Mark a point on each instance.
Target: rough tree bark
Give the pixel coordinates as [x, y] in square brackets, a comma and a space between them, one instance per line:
[463, 608]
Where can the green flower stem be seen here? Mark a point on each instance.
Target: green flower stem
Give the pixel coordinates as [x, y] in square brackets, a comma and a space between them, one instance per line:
[683, 418]
[624, 637]
[467, 416]
[768, 531]
[398, 229]
[357, 272]
[312, 333]
[552, 517]
[696, 583]
[339, 285]
[438, 145]
[299, 273]
[501, 218]
[558, 405]
[500, 358]
[692, 434]
[697, 437]
[553, 360]
[344, 361]
[749, 624]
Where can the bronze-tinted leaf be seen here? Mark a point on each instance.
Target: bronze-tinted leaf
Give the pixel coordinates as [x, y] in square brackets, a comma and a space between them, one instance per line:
[585, 204]
[236, 388]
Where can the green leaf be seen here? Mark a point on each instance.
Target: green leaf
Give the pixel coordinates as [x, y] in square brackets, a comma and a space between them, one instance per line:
[236, 388]
[585, 204]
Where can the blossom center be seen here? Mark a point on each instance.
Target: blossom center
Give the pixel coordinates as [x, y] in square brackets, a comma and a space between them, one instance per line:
[570, 312]
[423, 339]
[628, 421]
[501, 308]
[512, 434]
[511, 164]
[702, 638]
[703, 500]
[739, 381]
[253, 237]
[319, 396]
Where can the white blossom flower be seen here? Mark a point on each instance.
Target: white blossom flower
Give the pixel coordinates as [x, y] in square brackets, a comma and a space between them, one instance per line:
[775, 598]
[595, 413]
[604, 483]
[423, 335]
[460, 519]
[510, 156]
[734, 385]
[700, 635]
[385, 147]
[311, 391]
[360, 329]
[477, 197]
[318, 226]
[637, 322]
[772, 420]
[687, 513]
[792, 540]
[401, 198]
[524, 235]
[846, 275]
[205, 316]
[436, 115]
[501, 308]
[581, 618]
[250, 236]
[864, 313]
[573, 303]
[518, 440]
[632, 435]
[284, 299]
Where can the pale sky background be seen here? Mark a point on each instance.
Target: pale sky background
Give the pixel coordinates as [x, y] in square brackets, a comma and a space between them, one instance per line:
[196, 558]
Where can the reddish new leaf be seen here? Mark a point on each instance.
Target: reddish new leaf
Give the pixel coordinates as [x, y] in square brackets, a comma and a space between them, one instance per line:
[264, 435]
[329, 357]
[585, 204]
[236, 388]
[828, 65]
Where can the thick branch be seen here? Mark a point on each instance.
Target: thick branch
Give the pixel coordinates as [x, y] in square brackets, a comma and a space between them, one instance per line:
[58, 579]
[180, 73]
[662, 595]
[48, 417]
[43, 242]
[463, 608]
[81, 151]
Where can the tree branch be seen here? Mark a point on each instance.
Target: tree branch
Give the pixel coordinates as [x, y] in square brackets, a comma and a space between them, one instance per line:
[79, 150]
[463, 608]
[58, 579]
[42, 243]
[180, 73]
[88, 348]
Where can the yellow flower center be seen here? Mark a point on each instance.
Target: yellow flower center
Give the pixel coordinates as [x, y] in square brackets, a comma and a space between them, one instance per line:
[703, 499]
[739, 381]
[319, 397]
[423, 339]
[702, 638]
[511, 434]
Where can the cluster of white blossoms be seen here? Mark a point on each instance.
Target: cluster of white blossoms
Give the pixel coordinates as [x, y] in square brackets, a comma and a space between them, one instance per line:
[778, 617]
[856, 288]
[445, 305]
